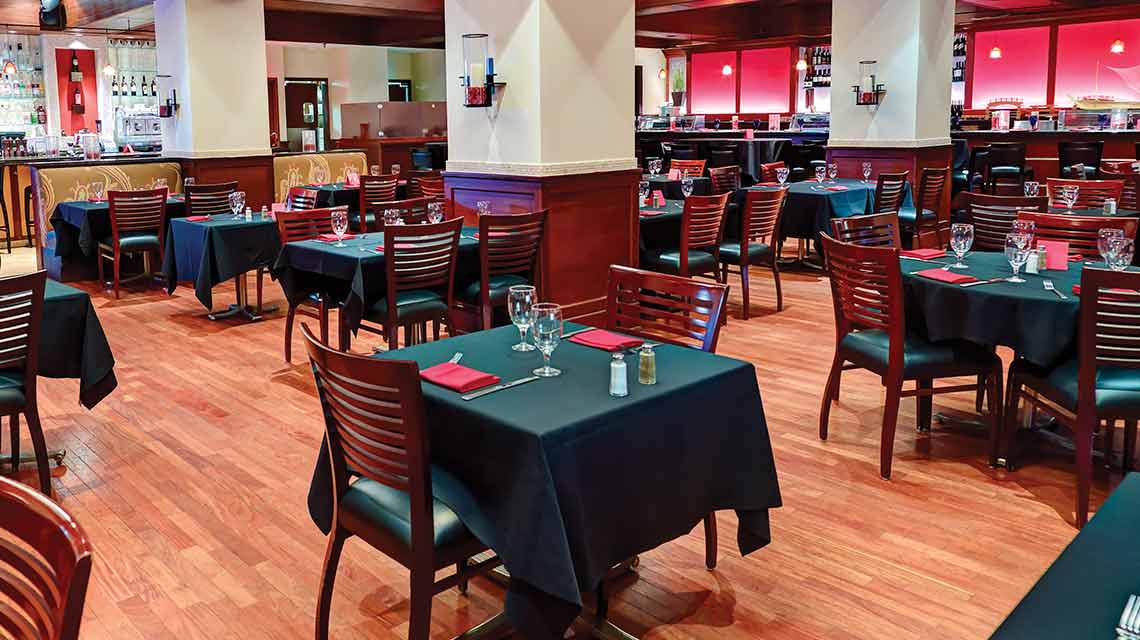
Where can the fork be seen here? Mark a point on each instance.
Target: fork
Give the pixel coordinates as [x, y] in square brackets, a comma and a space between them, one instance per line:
[456, 358]
[1128, 619]
[1049, 287]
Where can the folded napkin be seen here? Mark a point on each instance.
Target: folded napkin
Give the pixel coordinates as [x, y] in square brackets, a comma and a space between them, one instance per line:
[837, 187]
[945, 276]
[923, 254]
[606, 341]
[331, 237]
[1077, 291]
[196, 218]
[766, 184]
[1076, 258]
[458, 377]
[649, 213]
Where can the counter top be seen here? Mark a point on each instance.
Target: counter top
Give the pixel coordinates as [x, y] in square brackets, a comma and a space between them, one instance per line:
[74, 161]
[1063, 132]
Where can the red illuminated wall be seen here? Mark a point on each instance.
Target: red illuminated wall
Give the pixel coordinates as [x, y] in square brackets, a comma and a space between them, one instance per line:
[765, 80]
[713, 92]
[69, 120]
[1079, 49]
[1021, 72]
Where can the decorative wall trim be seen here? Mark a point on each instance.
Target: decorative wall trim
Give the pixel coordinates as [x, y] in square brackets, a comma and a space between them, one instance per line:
[536, 170]
[217, 153]
[883, 143]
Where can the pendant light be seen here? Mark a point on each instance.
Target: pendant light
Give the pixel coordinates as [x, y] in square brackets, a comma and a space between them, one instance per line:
[995, 53]
[726, 71]
[801, 65]
[1117, 46]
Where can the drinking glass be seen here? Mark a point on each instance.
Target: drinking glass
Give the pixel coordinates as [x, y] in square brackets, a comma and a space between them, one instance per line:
[483, 206]
[237, 203]
[520, 299]
[435, 212]
[866, 172]
[97, 189]
[1069, 193]
[374, 170]
[1102, 238]
[340, 224]
[832, 171]
[1016, 253]
[782, 175]
[1026, 228]
[547, 330]
[188, 182]
[392, 217]
[1032, 188]
[961, 240]
[395, 169]
[820, 176]
[1120, 250]
[687, 186]
[643, 191]
[655, 167]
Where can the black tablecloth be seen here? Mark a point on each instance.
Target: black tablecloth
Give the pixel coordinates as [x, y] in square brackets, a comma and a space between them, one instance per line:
[662, 230]
[342, 195]
[212, 252]
[564, 481]
[80, 225]
[73, 345]
[1083, 594]
[354, 274]
[1034, 322]
[672, 188]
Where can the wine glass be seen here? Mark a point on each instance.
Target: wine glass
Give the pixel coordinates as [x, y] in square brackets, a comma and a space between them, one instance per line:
[396, 170]
[340, 224]
[866, 172]
[520, 299]
[374, 170]
[832, 171]
[97, 189]
[643, 191]
[782, 175]
[1120, 250]
[188, 182]
[820, 176]
[435, 212]
[655, 167]
[1032, 188]
[483, 207]
[1026, 228]
[687, 186]
[1102, 238]
[392, 217]
[961, 240]
[1069, 193]
[237, 203]
[547, 330]
[1016, 252]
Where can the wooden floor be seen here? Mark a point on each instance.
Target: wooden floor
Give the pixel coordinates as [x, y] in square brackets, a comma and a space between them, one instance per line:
[191, 480]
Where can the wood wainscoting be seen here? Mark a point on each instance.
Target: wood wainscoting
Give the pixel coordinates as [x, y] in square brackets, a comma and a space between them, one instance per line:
[593, 223]
[254, 175]
[892, 160]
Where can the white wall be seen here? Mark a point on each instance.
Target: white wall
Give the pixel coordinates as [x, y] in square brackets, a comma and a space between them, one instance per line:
[275, 68]
[355, 74]
[653, 94]
[429, 76]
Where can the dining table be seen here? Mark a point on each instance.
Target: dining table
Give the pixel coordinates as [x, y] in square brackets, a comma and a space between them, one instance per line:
[73, 344]
[672, 188]
[341, 194]
[79, 225]
[564, 481]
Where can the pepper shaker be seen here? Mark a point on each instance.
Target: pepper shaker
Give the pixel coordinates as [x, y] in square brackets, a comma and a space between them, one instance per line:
[647, 366]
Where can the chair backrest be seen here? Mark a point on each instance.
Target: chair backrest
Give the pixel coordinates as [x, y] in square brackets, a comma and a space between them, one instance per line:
[376, 424]
[725, 179]
[665, 307]
[760, 218]
[1109, 329]
[431, 187]
[412, 210]
[376, 189]
[702, 225]
[1081, 232]
[1006, 154]
[421, 158]
[683, 151]
[45, 566]
[1117, 166]
[136, 212]
[932, 185]
[867, 291]
[1128, 195]
[889, 192]
[21, 312]
[1088, 153]
[303, 224]
[768, 171]
[414, 177]
[723, 158]
[689, 168]
[993, 216]
[301, 198]
[209, 199]
[509, 244]
[421, 256]
[1090, 193]
[874, 230]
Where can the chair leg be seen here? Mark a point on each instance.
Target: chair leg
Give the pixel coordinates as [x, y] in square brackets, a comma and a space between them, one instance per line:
[115, 268]
[344, 336]
[1084, 438]
[779, 293]
[324, 321]
[1009, 421]
[980, 395]
[1109, 444]
[435, 330]
[99, 262]
[260, 288]
[830, 392]
[1129, 445]
[710, 541]
[459, 567]
[486, 316]
[419, 620]
[328, 578]
[28, 223]
[743, 287]
[14, 428]
[890, 421]
[290, 316]
[994, 380]
[924, 406]
[37, 433]
[394, 337]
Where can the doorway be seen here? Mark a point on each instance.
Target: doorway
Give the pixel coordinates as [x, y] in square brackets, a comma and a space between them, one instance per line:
[307, 109]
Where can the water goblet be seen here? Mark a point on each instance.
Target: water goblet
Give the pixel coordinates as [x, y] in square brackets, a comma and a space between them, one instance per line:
[1016, 253]
[820, 176]
[687, 186]
[547, 330]
[188, 182]
[1026, 228]
[643, 191]
[961, 240]
[340, 224]
[782, 175]
[395, 169]
[866, 172]
[655, 167]
[435, 212]
[1120, 251]
[237, 203]
[832, 171]
[483, 207]
[392, 217]
[1102, 238]
[1069, 193]
[520, 299]
[1032, 188]
[374, 170]
[97, 189]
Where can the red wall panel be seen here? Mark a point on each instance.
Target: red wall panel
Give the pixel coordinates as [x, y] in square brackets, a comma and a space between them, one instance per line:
[1021, 72]
[1082, 48]
[713, 92]
[765, 80]
[69, 120]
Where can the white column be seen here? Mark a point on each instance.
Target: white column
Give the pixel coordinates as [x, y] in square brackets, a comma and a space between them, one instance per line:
[912, 40]
[567, 105]
[214, 51]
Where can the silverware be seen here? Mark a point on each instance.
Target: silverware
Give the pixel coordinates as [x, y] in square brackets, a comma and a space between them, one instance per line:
[576, 332]
[974, 284]
[921, 260]
[1127, 628]
[1133, 624]
[1049, 287]
[499, 387]
[456, 358]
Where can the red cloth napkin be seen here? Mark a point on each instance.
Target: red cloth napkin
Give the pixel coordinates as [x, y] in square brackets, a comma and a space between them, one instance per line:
[606, 341]
[331, 237]
[458, 377]
[766, 184]
[196, 218]
[837, 187]
[945, 276]
[649, 213]
[1076, 258]
[1077, 291]
[923, 254]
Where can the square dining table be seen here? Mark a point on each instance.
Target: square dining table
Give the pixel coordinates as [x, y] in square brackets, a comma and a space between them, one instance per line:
[73, 345]
[80, 225]
[564, 481]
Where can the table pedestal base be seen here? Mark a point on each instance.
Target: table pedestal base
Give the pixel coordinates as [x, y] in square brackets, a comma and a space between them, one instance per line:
[53, 455]
[242, 307]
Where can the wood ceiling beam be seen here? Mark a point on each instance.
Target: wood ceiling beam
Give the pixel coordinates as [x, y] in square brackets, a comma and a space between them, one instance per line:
[657, 7]
[424, 12]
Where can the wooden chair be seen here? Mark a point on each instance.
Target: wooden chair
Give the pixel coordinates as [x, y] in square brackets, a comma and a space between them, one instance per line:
[1099, 383]
[768, 171]
[301, 198]
[420, 274]
[431, 187]
[209, 199]
[757, 243]
[931, 229]
[1081, 232]
[415, 181]
[509, 247]
[21, 312]
[875, 230]
[375, 191]
[296, 226]
[1116, 166]
[890, 190]
[1006, 166]
[47, 561]
[702, 228]
[1090, 193]
[1131, 180]
[138, 221]
[724, 179]
[376, 424]
[871, 333]
[670, 309]
[688, 168]
[1072, 152]
[993, 216]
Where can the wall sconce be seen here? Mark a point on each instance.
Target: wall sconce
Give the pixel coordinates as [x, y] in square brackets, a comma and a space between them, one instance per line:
[662, 75]
[9, 68]
[801, 65]
[726, 70]
[109, 70]
[869, 91]
[1117, 46]
[478, 79]
[995, 53]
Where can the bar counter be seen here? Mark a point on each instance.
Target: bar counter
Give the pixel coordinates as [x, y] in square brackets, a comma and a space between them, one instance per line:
[1041, 146]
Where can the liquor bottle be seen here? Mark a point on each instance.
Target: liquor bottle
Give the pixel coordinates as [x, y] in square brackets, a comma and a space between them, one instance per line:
[153, 87]
[21, 61]
[115, 86]
[74, 60]
[134, 87]
[142, 87]
[77, 99]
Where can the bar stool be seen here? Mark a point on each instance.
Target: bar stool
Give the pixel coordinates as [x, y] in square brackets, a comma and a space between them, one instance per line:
[29, 217]
[1089, 154]
[7, 228]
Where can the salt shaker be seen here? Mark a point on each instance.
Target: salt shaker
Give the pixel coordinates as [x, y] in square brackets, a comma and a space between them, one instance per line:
[248, 214]
[647, 366]
[619, 380]
[264, 212]
[1033, 264]
[1110, 206]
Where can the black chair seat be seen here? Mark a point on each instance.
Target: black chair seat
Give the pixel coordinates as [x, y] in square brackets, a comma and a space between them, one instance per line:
[381, 516]
[369, 220]
[416, 305]
[669, 261]
[12, 398]
[907, 216]
[134, 242]
[1006, 170]
[922, 359]
[499, 285]
[1117, 388]
[730, 252]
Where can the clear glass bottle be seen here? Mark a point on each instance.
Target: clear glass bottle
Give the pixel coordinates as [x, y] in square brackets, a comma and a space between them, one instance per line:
[647, 366]
[619, 376]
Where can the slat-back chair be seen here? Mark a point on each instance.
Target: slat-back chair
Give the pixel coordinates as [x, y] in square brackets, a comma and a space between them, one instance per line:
[376, 424]
[1081, 232]
[301, 198]
[768, 171]
[45, 566]
[1073, 152]
[209, 199]
[138, 220]
[1128, 196]
[509, 247]
[689, 168]
[431, 187]
[890, 191]
[932, 230]
[1090, 193]
[375, 191]
[702, 228]
[724, 179]
[757, 243]
[993, 216]
[415, 181]
[874, 230]
[1006, 166]
[1099, 383]
[870, 331]
[21, 312]
[296, 226]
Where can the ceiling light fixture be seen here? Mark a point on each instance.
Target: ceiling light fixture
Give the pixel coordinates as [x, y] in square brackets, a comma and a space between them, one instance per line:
[109, 70]
[995, 53]
[801, 65]
[9, 68]
[1117, 46]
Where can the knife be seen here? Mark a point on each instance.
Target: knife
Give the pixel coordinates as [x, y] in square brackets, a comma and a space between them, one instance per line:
[499, 387]
[576, 332]
[990, 281]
